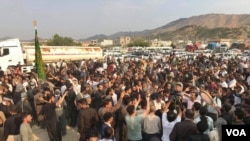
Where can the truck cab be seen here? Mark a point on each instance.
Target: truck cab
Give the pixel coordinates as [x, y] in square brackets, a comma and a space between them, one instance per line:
[11, 54]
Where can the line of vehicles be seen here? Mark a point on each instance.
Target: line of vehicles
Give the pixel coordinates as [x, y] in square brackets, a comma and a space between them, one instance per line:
[13, 53]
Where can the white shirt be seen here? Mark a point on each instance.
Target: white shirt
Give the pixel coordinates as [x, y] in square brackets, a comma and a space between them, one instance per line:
[100, 70]
[10, 87]
[189, 102]
[158, 105]
[34, 80]
[237, 100]
[82, 63]
[63, 88]
[105, 66]
[25, 85]
[248, 80]
[223, 73]
[232, 83]
[217, 102]
[77, 88]
[224, 84]
[114, 98]
[168, 126]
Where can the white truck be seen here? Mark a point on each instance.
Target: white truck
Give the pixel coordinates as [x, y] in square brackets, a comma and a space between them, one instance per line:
[12, 53]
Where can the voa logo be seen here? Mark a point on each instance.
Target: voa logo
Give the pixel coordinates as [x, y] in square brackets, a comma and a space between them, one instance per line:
[236, 132]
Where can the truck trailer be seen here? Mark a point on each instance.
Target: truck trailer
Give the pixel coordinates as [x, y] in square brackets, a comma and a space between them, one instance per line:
[12, 53]
[67, 53]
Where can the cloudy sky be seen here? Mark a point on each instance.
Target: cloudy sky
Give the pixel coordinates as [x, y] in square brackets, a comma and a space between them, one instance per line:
[84, 18]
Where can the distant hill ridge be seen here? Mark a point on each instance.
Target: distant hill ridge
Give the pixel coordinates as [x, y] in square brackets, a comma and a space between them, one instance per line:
[209, 21]
[206, 22]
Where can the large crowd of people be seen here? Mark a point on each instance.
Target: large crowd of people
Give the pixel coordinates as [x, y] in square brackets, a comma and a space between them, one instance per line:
[169, 99]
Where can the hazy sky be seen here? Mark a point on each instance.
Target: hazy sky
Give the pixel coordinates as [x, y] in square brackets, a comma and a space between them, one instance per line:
[84, 18]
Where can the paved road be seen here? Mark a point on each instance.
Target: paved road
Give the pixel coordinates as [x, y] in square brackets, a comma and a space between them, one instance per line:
[42, 135]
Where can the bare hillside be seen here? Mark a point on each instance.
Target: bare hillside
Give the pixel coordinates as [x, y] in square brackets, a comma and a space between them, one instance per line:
[208, 21]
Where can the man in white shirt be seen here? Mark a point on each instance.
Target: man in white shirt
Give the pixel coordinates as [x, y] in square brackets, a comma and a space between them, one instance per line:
[191, 97]
[223, 83]
[111, 94]
[158, 102]
[169, 119]
[248, 80]
[232, 82]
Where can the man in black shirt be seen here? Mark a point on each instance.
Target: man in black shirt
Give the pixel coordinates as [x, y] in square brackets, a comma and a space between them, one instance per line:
[88, 120]
[71, 106]
[51, 120]
[12, 124]
[4, 106]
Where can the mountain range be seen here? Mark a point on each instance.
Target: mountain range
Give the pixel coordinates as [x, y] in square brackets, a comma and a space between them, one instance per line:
[209, 26]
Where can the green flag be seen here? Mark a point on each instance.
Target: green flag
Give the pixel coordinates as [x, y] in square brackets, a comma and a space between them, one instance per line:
[38, 59]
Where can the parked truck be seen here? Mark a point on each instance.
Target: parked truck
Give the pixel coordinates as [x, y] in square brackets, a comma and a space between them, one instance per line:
[213, 45]
[12, 53]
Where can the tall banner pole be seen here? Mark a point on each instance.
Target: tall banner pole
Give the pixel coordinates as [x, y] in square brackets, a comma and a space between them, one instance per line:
[38, 56]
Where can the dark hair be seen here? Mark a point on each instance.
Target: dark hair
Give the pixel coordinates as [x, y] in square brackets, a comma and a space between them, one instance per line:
[108, 90]
[130, 109]
[98, 85]
[212, 115]
[227, 107]
[46, 89]
[126, 100]
[25, 114]
[143, 103]
[158, 95]
[202, 125]
[82, 101]
[197, 106]
[166, 91]
[203, 111]
[133, 96]
[239, 113]
[189, 113]
[13, 108]
[68, 84]
[127, 88]
[49, 96]
[91, 134]
[108, 132]
[106, 101]
[107, 116]
[45, 86]
[171, 115]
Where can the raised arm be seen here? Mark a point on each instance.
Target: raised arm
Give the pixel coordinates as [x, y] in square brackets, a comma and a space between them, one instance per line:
[167, 105]
[147, 107]
[60, 101]
[119, 103]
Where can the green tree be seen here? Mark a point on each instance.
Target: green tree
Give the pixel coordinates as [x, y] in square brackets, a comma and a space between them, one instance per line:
[173, 45]
[62, 41]
[139, 43]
